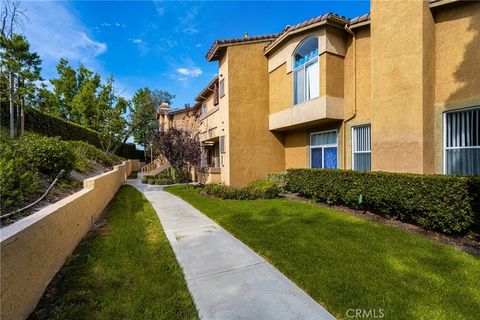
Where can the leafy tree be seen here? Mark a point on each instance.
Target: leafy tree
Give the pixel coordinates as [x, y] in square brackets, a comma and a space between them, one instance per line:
[79, 96]
[143, 114]
[179, 147]
[20, 70]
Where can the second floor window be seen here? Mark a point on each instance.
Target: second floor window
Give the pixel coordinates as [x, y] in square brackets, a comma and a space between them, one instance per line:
[221, 88]
[306, 80]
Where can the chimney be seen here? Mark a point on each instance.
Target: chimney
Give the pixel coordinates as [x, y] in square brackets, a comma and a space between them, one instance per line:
[164, 106]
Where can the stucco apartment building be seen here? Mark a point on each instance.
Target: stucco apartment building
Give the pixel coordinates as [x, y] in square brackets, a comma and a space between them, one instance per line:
[395, 90]
[185, 118]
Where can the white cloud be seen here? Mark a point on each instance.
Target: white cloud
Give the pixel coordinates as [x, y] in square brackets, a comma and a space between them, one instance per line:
[198, 45]
[54, 32]
[137, 41]
[159, 8]
[190, 30]
[190, 72]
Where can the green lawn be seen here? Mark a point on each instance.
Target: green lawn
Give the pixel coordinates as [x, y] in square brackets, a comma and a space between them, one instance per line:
[345, 262]
[124, 270]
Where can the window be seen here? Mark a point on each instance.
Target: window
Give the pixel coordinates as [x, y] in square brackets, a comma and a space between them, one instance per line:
[323, 149]
[215, 95]
[361, 148]
[306, 71]
[221, 88]
[462, 142]
[222, 144]
[204, 109]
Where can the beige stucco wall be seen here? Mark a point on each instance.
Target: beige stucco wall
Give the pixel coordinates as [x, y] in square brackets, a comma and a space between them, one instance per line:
[296, 149]
[357, 86]
[35, 248]
[402, 86]
[280, 94]
[223, 116]
[330, 40]
[254, 151]
[457, 64]
[207, 177]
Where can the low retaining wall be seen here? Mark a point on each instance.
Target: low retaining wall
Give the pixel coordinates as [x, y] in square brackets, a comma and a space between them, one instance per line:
[35, 248]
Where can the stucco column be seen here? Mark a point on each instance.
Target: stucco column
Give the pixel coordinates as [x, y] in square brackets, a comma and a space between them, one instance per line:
[402, 78]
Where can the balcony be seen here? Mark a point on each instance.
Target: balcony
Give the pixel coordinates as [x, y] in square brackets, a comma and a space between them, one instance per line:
[209, 125]
[313, 112]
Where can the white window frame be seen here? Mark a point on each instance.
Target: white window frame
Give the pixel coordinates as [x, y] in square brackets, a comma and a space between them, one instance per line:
[304, 66]
[444, 131]
[221, 88]
[356, 152]
[322, 146]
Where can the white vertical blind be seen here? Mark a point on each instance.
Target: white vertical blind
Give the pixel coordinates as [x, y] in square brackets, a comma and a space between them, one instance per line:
[462, 142]
[361, 148]
[312, 83]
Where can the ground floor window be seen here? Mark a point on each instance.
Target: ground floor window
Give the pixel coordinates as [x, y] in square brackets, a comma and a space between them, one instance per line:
[462, 141]
[361, 148]
[323, 149]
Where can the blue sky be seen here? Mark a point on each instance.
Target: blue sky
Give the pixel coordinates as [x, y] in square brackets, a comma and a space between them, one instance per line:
[161, 44]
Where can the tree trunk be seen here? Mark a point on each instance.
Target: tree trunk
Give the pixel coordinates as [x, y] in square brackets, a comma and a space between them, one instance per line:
[22, 117]
[12, 108]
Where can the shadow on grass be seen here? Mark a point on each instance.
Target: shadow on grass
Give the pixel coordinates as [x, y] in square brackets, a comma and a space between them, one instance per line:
[125, 269]
[349, 263]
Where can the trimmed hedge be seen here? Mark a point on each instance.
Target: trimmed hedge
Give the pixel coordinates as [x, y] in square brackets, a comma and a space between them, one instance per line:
[52, 126]
[449, 204]
[261, 189]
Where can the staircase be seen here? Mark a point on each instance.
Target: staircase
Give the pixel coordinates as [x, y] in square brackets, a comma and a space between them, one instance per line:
[155, 167]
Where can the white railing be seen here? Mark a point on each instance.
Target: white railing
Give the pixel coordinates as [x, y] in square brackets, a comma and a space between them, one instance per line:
[159, 162]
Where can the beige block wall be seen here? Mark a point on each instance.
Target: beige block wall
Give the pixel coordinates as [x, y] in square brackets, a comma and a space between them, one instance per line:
[457, 64]
[35, 248]
[206, 177]
[357, 87]
[254, 151]
[402, 86]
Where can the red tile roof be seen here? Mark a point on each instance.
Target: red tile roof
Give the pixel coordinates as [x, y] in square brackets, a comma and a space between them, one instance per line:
[324, 17]
[360, 19]
[208, 89]
[216, 48]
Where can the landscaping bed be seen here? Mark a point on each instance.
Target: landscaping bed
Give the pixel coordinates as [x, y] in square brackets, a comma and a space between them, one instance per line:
[30, 164]
[124, 268]
[345, 262]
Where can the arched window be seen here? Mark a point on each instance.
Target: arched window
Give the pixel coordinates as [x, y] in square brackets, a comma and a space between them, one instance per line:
[306, 71]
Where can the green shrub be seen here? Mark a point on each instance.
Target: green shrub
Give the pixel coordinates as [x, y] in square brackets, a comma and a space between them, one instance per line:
[279, 179]
[435, 202]
[17, 180]
[169, 176]
[164, 181]
[261, 189]
[85, 153]
[47, 154]
[52, 126]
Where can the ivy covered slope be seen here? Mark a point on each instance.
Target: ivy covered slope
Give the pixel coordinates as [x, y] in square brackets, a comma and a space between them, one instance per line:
[29, 164]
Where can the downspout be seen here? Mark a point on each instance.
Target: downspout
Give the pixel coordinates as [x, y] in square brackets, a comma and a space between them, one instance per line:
[354, 45]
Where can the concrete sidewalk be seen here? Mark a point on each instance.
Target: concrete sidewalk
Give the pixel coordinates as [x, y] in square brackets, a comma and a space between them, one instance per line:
[226, 278]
